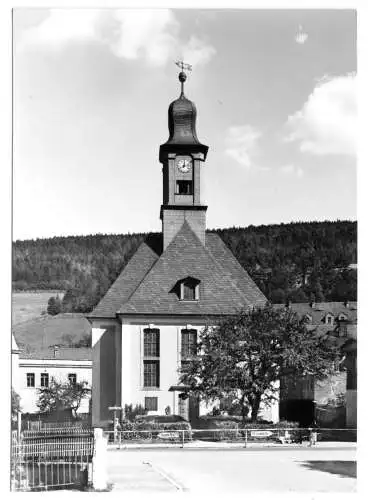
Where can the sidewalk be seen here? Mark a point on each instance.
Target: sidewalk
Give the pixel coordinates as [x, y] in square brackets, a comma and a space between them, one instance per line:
[226, 445]
[139, 475]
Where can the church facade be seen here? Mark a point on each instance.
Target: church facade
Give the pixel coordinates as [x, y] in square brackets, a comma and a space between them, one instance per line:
[147, 325]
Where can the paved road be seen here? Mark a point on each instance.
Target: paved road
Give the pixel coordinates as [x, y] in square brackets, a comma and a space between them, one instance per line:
[212, 471]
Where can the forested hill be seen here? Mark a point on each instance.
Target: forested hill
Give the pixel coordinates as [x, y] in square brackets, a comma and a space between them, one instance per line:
[296, 261]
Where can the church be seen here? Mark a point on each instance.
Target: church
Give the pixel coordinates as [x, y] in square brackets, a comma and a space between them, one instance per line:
[147, 325]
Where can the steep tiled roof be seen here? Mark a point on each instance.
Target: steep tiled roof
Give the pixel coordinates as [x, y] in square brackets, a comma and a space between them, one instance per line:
[319, 310]
[35, 337]
[231, 265]
[63, 353]
[127, 282]
[147, 284]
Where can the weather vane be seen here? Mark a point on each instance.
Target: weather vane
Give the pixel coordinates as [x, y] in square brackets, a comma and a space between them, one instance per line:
[182, 76]
[183, 65]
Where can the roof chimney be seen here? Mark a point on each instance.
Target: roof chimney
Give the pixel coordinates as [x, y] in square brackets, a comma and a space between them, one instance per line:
[347, 304]
[312, 305]
[56, 351]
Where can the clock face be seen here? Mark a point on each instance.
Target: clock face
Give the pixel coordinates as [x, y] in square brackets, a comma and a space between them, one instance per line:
[184, 165]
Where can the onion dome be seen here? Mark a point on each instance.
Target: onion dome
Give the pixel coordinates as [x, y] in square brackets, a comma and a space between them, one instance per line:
[182, 117]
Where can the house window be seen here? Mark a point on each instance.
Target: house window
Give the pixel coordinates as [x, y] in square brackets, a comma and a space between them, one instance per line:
[189, 289]
[188, 343]
[30, 379]
[184, 187]
[150, 404]
[151, 355]
[72, 377]
[152, 343]
[151, 373]
[329, 319]
[44, 379]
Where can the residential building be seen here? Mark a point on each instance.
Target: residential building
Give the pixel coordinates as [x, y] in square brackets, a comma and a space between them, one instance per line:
[307, 399]
[46, 348]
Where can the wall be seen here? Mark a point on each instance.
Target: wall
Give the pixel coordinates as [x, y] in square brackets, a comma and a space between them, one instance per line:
[133, 391]
[351, 408]
[106, 373]
[59, 369]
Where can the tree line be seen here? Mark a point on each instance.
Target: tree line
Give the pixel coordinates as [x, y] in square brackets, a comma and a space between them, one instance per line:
[296, 262]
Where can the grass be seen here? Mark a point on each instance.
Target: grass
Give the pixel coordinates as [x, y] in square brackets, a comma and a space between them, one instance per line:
[342, 468]
[30, 305]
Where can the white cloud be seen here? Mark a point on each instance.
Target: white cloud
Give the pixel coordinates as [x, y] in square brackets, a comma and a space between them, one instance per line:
[327, 122]
[301, 37]
[151, 35]
[197, 51]
[242, 144]
[291, 169]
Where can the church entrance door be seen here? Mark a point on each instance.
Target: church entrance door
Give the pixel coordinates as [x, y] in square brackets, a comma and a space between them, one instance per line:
[183, 406]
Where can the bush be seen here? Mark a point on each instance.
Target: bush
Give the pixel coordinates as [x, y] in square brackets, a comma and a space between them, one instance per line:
[233, 429]
[159, 418]
[264, 424]
[142, 429]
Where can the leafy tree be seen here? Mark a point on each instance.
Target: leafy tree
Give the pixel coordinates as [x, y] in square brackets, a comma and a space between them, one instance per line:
[297, 296]
[54, 306]
[70, 300]
[61, 396]
[15, 404]
[244, 355]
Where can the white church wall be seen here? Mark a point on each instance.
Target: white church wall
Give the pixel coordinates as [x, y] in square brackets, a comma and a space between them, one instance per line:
[132, 374]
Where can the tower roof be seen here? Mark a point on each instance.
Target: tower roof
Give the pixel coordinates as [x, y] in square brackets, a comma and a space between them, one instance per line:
[182, 117]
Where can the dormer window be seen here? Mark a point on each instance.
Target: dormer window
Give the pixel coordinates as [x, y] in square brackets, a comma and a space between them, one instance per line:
[189, 289]
[329, 319]
[342, 317]
[308, 318]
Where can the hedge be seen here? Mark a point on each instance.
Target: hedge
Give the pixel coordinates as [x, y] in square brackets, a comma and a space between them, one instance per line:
[233, 429]
[149, 430]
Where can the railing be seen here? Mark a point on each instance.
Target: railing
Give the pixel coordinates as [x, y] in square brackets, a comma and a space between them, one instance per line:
[51, 462]
[37, 425]
[56, 431]
[244, 437]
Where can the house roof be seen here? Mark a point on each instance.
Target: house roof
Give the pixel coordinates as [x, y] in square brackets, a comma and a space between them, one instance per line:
[36, 338]
[320, 309]
[147, 285]
[63, 353]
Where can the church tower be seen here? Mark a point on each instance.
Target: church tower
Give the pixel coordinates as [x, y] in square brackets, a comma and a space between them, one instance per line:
[182, 157]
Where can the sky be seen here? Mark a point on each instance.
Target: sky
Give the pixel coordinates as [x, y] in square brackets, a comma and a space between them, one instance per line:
[275, 92]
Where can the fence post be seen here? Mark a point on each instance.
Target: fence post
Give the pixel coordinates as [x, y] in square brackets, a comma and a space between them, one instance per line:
[182, 438]
[19, 425]
[246, 438]
[99, 474]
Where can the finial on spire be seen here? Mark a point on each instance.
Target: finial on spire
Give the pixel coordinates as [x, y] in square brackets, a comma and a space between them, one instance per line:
[182, 76]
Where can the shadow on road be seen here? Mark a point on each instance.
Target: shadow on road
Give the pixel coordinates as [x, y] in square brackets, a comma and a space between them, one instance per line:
[340, 467]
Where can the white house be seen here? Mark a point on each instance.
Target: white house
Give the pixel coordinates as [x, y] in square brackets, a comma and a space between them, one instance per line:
[42, 349]
[148, 323]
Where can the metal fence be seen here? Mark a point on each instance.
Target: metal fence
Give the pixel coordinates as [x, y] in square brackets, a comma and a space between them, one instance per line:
[37, 425]
[243, 437]
[51, 461]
